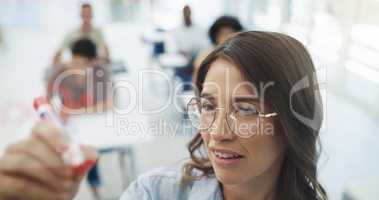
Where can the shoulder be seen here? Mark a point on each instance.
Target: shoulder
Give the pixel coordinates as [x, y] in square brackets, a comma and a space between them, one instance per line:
[97, 30]
[161, 183]
[161, 175]
[165, 183]
[198, 27]
[73, 33]
[69, 37]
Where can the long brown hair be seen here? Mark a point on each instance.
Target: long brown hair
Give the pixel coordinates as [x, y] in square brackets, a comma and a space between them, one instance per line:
[274, 57]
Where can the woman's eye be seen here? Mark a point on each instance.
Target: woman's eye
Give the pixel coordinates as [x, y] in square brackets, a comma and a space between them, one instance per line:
[207, 107]
[247, 110]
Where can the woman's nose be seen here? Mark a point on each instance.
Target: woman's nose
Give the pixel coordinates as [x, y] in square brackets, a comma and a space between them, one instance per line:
[220, 130]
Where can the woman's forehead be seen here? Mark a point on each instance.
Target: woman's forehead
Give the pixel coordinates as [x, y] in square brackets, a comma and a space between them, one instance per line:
[225, 77]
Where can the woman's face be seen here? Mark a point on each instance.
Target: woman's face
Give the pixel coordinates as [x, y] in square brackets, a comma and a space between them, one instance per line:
[238, 160]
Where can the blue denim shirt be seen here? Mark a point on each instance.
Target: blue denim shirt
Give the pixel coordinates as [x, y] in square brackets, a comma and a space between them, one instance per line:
[164, 184]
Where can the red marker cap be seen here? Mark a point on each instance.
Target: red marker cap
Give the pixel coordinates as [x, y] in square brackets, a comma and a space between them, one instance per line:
[84, 167]
[38, 102]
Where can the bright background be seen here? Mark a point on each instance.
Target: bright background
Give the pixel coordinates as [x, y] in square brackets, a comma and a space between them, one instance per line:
[342, 36]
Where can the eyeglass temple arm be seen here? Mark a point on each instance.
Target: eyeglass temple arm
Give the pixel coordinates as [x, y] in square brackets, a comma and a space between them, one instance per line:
[267, 115]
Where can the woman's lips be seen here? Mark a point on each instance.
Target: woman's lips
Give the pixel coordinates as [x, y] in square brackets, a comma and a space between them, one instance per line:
[225, 157]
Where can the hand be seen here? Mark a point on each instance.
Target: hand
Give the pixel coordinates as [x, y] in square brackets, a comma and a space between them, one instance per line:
[33, 169]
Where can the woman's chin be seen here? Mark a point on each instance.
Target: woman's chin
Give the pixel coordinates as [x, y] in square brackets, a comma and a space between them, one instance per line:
[229, 177]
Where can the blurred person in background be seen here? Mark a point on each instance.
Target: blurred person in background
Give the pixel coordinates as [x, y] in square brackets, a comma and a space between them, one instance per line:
[189, 39]
[250, 143]
[220, 30]
[86, 30]
[75, 93]
[73, 90]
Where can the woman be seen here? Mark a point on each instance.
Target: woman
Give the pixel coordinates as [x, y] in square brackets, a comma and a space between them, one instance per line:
[253, 141]
[256, 147]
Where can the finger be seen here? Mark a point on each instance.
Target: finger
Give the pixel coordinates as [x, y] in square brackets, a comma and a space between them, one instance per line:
[35, 148]
[22, 165]
[50, 135]
[21, 188]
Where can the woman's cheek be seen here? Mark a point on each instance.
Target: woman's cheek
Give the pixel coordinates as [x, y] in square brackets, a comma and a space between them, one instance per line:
[205, 137]
[262, 151]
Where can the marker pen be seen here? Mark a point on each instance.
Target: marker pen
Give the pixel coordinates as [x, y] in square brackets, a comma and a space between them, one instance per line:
[73, 155]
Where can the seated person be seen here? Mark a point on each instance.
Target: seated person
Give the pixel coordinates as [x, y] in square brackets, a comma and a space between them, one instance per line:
[74, 90]
[86, 30]
[189, 37]
[253, 142]
[75, 93]
[220, 30]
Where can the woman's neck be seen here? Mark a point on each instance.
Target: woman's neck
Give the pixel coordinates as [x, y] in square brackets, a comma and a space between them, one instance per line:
[262, 187]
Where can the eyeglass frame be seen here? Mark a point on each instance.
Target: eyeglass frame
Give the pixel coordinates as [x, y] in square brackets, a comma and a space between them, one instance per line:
[228, 114]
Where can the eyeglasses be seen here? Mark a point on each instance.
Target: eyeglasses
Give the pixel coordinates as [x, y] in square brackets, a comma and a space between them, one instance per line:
[243, 120]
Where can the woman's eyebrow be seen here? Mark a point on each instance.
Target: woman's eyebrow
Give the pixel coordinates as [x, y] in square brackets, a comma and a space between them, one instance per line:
[207, 95]
[248, 99]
